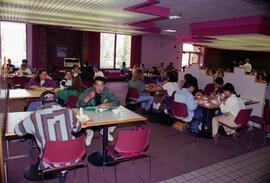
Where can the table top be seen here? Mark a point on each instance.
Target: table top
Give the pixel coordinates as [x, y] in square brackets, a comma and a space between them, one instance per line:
[97, 119]
[25, 93]
[211, 102]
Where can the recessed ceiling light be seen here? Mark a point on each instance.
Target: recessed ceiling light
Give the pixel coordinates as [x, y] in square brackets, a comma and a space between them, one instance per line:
[173, 17]
[170, 30]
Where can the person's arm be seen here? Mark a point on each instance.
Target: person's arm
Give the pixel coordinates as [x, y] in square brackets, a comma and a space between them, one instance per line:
[192, 103]
[24, 127]
[31, 84]
[112, 100]
[84, 98]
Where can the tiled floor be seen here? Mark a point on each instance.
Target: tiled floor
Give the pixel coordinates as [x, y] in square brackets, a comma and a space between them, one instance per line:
[250, 167]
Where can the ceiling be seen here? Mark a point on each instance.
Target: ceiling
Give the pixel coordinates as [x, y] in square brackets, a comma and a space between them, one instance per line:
[112, 16]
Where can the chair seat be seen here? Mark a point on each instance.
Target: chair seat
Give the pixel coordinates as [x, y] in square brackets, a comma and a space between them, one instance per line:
[64, 167]
[257, 119]
[117, 156]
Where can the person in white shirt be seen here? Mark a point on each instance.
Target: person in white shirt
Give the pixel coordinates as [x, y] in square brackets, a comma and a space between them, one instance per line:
[67, 81]
[24, 70]
[229, 109]
[98, 72]
[247, 66]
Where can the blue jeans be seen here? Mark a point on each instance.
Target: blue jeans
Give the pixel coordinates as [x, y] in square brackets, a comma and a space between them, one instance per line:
[147, 101]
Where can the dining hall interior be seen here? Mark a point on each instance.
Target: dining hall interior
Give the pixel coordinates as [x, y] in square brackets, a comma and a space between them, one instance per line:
[134, 91]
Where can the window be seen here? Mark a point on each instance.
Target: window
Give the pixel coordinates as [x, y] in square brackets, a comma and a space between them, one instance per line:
[190, 55]
[114, 49]
[13, 42]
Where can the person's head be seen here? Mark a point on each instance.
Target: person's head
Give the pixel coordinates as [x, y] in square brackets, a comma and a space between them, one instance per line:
[162, 64]
[76, 68]
[23, 67]
[190, 85]
[219, 82]
[137, 75]
[142, 66]
[24, 61]
[171, 64]
[228, 90]
[99, 84]
[247, 60]
[68, 75]
[48, 97]
[95, 68]
[123, 63]
[172, 76]
[187, 77]
[9, 61]
[41, 75]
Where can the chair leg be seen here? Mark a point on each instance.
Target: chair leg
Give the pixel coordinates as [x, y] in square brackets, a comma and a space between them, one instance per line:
[264, 134]
[235, 141]
[150, 166]
[62, 177]
[88, 179]
[74, 175]
[42, 177]
[115, 174]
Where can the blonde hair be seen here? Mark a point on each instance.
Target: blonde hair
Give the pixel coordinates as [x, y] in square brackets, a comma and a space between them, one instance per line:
[137, 74]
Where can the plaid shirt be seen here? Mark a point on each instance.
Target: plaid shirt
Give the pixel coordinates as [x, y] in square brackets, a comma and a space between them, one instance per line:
[52, 122]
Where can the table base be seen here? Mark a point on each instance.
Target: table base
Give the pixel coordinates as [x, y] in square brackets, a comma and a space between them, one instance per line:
[31, 173]
[96, 159]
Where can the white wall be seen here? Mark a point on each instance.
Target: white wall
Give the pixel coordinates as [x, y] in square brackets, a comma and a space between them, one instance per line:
[159, 48]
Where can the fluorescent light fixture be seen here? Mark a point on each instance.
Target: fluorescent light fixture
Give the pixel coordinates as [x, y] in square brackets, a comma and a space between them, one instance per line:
[173, 17]
[170, 30]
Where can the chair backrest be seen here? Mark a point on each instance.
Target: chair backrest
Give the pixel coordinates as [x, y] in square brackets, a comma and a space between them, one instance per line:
[179, 109]
[62, 152]
[133, 93]
[19, 80]
[133, 141]
[267, 114]
[72, 101]
[242, 117]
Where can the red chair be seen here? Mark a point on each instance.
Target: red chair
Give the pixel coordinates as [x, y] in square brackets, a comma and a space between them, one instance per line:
[262, 121]
[132, 96]
[72, 101]
[130, 145]
[241, 120]
[19, 81]
[68, 155]
[179, 111]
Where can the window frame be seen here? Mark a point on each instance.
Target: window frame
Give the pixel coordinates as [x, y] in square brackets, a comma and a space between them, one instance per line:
[114, 55]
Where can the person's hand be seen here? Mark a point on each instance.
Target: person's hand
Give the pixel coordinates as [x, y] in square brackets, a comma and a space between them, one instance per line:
[89, 97]
[49, 77]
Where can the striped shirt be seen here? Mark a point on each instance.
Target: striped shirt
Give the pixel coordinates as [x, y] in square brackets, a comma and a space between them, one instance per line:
[52, 122]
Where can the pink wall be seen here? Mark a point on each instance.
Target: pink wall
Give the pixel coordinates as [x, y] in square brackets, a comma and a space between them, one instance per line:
[158, 48]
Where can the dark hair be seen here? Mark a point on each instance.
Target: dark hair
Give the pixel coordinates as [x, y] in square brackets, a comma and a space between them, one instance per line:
[99, 78]
[191, 82]
[75, 65]
[187, 77]
[37, 79]
[229, 87]
[24, 61]
[68, 70]
[124, 63]
[172, 76]
[219, 81]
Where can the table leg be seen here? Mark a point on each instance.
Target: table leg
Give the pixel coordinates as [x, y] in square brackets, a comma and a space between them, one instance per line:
[101, 158]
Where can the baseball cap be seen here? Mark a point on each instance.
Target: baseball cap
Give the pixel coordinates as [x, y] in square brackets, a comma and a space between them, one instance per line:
[48, 97]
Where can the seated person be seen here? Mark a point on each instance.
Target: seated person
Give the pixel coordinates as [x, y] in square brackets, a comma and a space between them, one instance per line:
[185, 96]
[170, 67]
[76, 70]
[154, 71]
[123, 68]
[42, 79]
[24, 61]
[71, 86]
[99, 96]
[24, 70]
[137, 82]
[163, 100]
[58, 124]
[214, 88]
[229, 109]
[98, 72]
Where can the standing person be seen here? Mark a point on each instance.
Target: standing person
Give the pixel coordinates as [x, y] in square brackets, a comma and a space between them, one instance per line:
[247, 66]
[137, 82]
[98, 72]
[98, 96]
[10, 67]
[123, 68]
[51, 123]
[170, 67]
[24, 70]
[230, 109]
